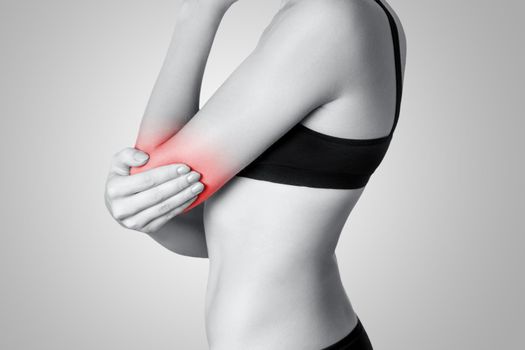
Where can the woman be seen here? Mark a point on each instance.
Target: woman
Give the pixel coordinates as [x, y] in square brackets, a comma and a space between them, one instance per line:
[283, 151]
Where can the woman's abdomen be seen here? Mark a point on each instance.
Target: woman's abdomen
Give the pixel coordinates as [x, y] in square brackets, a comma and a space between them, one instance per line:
[274, 281]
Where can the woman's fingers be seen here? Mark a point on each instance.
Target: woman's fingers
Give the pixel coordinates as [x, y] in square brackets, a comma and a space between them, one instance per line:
[171, 204]
[147, 200]
[127, 206]
[126, 158]
[122, 186]
[119, 182]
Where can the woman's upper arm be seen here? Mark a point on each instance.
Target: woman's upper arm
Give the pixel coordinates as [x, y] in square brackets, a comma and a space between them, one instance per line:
[289, 74]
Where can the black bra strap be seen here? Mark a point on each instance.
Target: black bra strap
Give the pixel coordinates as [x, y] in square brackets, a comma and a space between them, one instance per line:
[397, 57]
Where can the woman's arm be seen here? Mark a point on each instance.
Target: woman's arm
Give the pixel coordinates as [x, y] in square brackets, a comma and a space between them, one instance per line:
[175, 96]
[298, 66]
[184, 234]
[173, 101]
[146, 202]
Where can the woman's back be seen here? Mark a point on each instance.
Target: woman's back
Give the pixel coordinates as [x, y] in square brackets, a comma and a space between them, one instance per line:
[274, 281]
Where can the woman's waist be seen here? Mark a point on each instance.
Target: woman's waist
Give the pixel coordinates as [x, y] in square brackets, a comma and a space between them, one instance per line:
[313, 326]
[250, 303]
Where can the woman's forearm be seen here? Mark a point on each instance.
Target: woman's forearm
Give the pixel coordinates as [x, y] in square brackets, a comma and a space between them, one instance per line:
[184, 234]
[173, 101]
[175, 96]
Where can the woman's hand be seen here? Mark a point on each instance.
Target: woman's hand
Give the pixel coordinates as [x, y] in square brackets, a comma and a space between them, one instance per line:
[144, 202]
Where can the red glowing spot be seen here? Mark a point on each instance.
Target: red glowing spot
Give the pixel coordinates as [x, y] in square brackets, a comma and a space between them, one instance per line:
[195, 154]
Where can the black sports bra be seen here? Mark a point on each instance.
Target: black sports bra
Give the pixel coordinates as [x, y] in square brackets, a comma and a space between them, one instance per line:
[305, 157]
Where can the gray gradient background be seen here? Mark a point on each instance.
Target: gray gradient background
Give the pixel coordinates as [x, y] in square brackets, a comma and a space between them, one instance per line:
[431, 257]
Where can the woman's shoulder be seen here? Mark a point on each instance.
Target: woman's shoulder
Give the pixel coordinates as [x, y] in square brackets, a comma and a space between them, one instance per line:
[337, 12]
[340, 22]
[345, 27]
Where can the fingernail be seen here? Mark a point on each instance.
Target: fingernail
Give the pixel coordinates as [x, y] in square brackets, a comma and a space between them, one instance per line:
[183, 169]
[197, 187]
[193, 177]
[140, 156]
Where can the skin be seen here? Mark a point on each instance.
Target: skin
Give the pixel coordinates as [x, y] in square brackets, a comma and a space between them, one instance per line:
[274, 281]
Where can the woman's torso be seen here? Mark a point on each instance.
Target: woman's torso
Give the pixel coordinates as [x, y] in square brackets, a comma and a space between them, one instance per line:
[273, 279]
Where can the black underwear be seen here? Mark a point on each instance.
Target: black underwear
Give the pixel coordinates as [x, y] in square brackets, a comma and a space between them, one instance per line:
[357, 339]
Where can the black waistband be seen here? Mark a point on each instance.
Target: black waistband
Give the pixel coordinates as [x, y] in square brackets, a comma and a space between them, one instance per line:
[357, 339]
